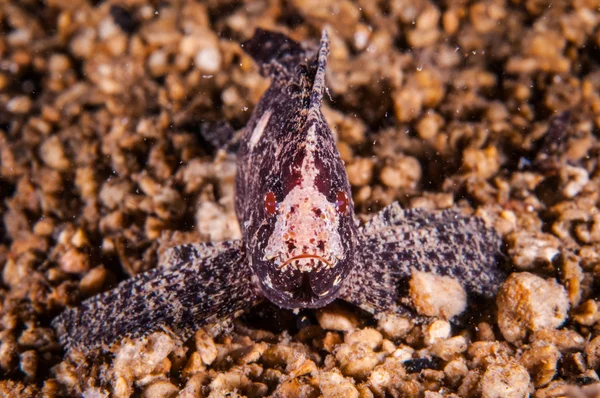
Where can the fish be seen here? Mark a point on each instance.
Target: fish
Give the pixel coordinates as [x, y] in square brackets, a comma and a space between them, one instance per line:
[302, 245]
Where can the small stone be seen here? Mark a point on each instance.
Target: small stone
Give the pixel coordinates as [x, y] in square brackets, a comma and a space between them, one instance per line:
[74, 262]
[448, 349]
[53, 154]
[530, 249]
[160, 389]
[206, 347]
[333, 384]
[302, 367]
[193, 386]
[90, 392]
[455, 370]
[482, 162]
[368, 336]
[574, 179]
[143, 357]
[279, 355]
[436, 331]
[435, 295]
[113, 192]
[385, 377]
[507, 381]
[541, 360]
[592, 352]
[79, 239]
[360, 172]
[451, 20]
[394, 326]
[379, 379]
[587, 313]
[485, 332]
[44, 227]
[404, 174]
[331, 341]
[29, 364]
[403, 353]
[429, 125]
[208, 60]
[229, 381]
[564, 340]
[528, 303]
[194, 365]
[218, 224]
[356, 360]
[92, 282]
[252, 353]
[19, 104]
[36, 337]
[336, 318]
[158, 63]
[85, 180]
[388, 346]
[408, 103]
[485, 353]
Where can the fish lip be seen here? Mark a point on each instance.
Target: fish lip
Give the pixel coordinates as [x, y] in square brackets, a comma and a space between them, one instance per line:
[304, 255]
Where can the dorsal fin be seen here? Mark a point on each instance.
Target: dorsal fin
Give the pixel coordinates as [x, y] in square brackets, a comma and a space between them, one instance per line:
[316, 94]
[274, 52]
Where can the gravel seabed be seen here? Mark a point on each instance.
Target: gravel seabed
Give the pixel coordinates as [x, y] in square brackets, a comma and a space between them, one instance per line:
[491, 106]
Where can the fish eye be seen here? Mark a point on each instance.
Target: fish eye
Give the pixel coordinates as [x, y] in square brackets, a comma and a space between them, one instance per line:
[271, 204]
[341, 201]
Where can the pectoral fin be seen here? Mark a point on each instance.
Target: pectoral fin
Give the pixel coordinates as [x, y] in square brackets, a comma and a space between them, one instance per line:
[200, 284]
[397, 242]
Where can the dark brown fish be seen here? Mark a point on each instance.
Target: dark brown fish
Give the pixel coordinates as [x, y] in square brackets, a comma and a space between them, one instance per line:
[301, 246]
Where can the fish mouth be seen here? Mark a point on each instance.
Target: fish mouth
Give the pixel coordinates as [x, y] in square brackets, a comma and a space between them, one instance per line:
[302, 257]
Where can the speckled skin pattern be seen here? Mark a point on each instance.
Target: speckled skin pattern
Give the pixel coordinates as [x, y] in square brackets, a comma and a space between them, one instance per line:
[200, 284]
[395, 242]
[301, 246]
[296, 159]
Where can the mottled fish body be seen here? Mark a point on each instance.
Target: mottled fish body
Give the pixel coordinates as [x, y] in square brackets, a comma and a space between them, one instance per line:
[301, 246]
[293, 198]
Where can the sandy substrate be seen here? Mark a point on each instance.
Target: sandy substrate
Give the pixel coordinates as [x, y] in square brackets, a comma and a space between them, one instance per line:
[492, 106]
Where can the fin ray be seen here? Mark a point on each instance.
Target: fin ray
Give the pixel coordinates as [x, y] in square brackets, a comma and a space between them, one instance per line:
[202, 284]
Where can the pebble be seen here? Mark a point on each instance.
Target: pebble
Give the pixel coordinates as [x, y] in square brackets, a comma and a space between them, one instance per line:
[360, 172]
[530, 249]
[450, 348]
[528, 303]
[405, 173]
[206, 347]
[160, 389]
[19, 105]
[482, 162]
[53, 154]
[436, 331]
[592, 352]
[336, 318]
[508, 381]
[368, 336]
[74, 262]
[208, 60]
[435, 295]
[394, 326]
[93, 280]
[333, 384]
[541, 361]
[356, 360]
